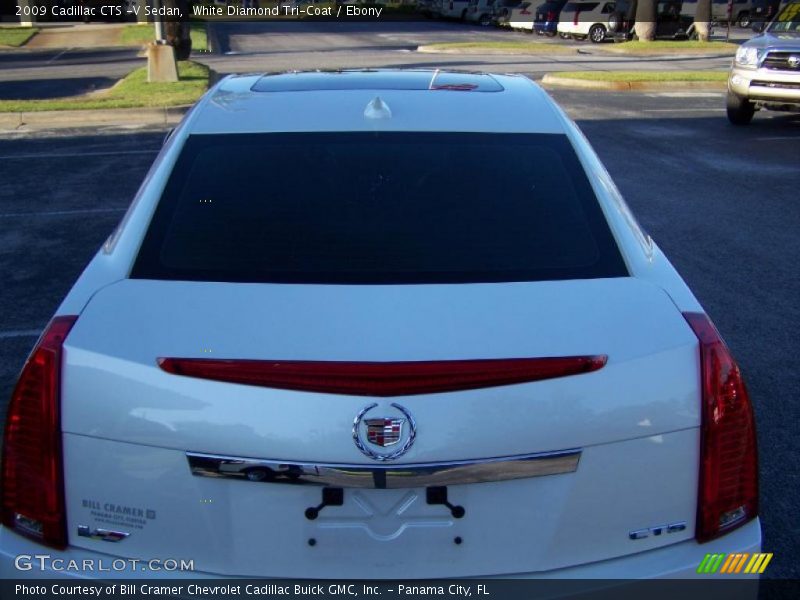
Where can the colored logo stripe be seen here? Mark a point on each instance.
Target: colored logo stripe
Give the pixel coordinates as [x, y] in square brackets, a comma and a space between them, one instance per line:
[758, 563]
[710, 563]
[734, 563]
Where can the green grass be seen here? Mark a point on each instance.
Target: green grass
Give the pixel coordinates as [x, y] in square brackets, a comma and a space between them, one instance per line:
[510, 47]
[199, 35]
[16, 36]
[647, 76]
[135, 35]
[131, 92]
[678, 46]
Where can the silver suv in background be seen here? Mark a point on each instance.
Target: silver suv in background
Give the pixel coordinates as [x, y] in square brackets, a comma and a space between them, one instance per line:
[766, 70]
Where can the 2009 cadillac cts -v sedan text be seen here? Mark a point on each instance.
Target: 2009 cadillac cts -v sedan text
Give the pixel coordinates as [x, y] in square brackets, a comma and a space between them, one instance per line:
[328, 341]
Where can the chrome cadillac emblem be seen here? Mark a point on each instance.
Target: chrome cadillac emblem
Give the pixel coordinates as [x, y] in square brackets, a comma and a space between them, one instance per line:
[372, 434]
[793, 61]
[384, 431]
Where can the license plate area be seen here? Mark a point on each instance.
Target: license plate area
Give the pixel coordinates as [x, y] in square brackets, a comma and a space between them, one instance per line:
[383, 515]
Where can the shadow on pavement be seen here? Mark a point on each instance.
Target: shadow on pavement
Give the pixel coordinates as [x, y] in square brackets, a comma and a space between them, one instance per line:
[40, 89]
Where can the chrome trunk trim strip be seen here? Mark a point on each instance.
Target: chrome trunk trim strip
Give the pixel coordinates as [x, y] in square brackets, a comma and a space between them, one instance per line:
[383, 476]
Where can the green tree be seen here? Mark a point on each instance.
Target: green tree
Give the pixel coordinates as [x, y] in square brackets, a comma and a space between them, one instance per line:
[176, 30]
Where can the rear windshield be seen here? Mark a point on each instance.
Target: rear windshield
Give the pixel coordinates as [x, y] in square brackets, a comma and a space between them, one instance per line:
[378, 208]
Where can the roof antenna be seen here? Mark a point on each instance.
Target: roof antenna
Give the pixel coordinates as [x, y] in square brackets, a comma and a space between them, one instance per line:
[377, 109]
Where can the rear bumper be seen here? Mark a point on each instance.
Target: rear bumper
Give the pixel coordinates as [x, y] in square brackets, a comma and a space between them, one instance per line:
[678, 560]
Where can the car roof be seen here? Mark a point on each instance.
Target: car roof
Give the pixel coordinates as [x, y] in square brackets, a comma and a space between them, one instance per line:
[376, 100]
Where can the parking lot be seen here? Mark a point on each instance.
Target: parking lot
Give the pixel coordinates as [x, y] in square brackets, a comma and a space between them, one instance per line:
[279, 46]
[276, 46]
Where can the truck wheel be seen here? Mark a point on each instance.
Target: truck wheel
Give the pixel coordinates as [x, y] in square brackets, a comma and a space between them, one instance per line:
[597, 33]
[744, 20]
[740, 110]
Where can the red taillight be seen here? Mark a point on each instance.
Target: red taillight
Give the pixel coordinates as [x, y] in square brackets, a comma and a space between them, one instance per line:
[551, 16]
[32, 474]
[524, 11]
[575, 20]
[728, 492]
[382, 378]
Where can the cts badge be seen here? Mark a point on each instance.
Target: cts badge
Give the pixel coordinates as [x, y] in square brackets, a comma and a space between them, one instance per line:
[372, 434]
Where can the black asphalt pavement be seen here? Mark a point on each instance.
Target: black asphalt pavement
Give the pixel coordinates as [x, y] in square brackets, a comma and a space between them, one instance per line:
[280, 46]
[53, 73]
[721, 201]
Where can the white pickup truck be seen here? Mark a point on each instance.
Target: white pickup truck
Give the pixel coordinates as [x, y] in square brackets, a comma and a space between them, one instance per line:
[766, 70]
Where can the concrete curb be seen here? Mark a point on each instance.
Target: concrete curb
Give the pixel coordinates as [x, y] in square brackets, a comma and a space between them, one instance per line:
[568, 49]
[562, 49]
[553, 80]
[655, 55]
[59, 119]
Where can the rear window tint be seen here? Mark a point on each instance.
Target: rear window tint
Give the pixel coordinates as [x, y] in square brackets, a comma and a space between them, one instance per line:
[378, 208]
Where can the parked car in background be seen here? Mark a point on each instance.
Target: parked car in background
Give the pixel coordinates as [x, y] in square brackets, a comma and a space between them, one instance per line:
[546, 19]
[521, 16]
[766, 69]
[671, 23]
[764, 11]
[454, 9]
[585, 19]
[480, 11]
[739, 11]
[426, 7]
[503, 11]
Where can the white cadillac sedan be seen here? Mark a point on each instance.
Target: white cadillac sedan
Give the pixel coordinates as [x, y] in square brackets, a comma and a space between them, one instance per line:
[328, 341]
